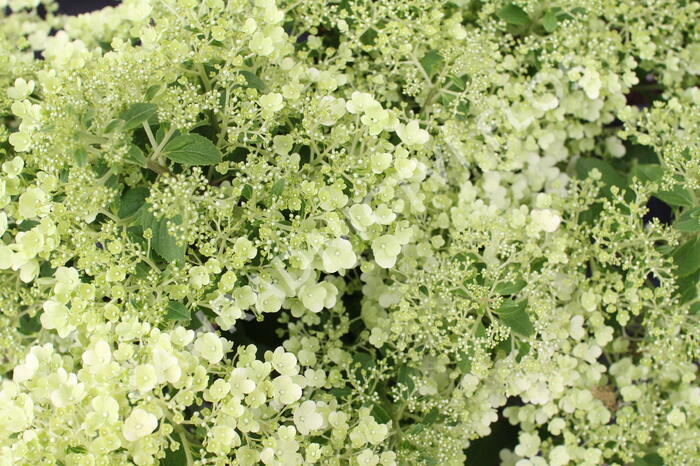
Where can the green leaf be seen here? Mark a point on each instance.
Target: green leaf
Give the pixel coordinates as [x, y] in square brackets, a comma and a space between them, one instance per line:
[687, 257]
[27, 225]
[503, 348]
[428, 460]
[652, 459]
[506, 288]
[651, 172]
[247, 192]
[678, 196]
[132, 201]
[253, 81]
[368, 37]
[432, 416]
[458, 83]
[380, 414]
[341, 393]
[177, 311]
[609, 175]
[29, 325]
[689, 221]
[135, 115]
[431, 62]
[688, 286]
[549, 21]
[144, 218]
[192, 149]
[513, 14]
[278, 187]
[153, 91]
[464, 363]
[641, 154]
[135, 155]
[514, 315]
[523, 350]
[174, 458]
[80, 156]
[648, 172]
[405, 378]
[113, 125]
[77, 449]
[363, 362]
[164, 243]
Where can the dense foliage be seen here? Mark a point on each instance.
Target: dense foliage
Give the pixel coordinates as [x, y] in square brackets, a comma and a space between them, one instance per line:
[350, 232]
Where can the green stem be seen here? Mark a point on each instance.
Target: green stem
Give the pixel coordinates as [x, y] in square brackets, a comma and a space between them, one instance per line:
[185, 445]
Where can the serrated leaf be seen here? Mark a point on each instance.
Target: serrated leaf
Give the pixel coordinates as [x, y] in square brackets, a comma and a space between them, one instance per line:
[513, 14]
[687, 257]
[514, 315]
[688, 286]
[507, 288]
[135, 115]
[135, 155]
[164, 243]
[132, 201]
[144, 218]
[177, 311]
[549, 21]
[689, 221]
[253, 81]
[678, 196]
[192, 149]
[431, 62]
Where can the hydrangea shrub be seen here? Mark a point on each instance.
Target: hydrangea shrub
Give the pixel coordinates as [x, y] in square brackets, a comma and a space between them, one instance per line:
[350, 232]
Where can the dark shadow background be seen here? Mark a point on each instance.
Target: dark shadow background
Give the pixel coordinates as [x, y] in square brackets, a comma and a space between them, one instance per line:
[74, 7]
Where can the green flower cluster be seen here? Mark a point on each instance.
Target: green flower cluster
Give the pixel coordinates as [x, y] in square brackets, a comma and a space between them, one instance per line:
[350, 232]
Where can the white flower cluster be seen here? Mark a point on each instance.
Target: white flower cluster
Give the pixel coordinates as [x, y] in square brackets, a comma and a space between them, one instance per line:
[248, 232]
